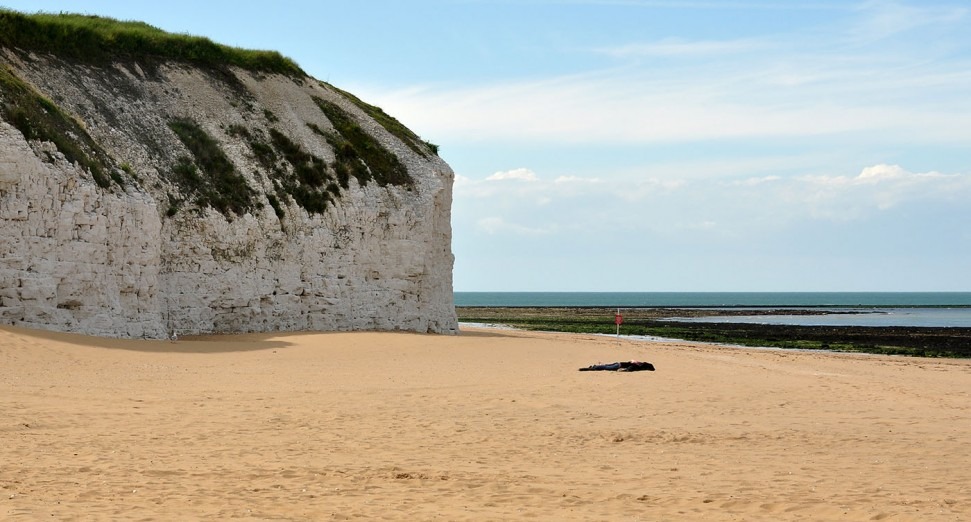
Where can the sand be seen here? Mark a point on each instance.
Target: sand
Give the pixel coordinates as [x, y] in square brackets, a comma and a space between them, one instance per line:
[487, 425]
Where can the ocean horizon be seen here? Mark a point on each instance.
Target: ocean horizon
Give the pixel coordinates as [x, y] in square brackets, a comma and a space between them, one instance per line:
[715, 299]
[911, 309]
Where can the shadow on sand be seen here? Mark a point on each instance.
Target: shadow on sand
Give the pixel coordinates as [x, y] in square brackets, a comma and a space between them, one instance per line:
[198, 344]
[202, 344]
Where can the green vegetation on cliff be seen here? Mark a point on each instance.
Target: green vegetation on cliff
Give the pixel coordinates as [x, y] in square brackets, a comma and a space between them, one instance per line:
[311, 182]
[38, 118]
[218, 185]
[390, 124]
[309, 177]
[88, 38]
[353, 146]
[206, 177]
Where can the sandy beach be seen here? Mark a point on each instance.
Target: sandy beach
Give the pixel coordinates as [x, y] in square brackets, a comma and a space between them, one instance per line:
[486, 425]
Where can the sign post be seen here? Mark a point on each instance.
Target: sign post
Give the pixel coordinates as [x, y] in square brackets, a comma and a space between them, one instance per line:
[618, 320]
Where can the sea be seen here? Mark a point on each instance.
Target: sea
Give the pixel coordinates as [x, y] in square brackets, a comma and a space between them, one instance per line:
[911, 309]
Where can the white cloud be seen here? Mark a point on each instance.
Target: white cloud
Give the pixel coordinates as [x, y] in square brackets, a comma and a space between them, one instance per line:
[524, 185]
[527, 187]
[881, 172]
[720, 4]
[575, 205]
[752, 182]
[759, 98]
[909, 88]
[883, 19]
[634, 190]
[520, 174]
[577, 180]
[493, 225]
[674, 47]
[878, 187]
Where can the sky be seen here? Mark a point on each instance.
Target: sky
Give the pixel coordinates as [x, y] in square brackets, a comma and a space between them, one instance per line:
[656, 145]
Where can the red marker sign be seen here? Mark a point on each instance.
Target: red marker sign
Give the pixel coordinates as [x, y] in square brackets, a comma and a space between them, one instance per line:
[618, 319]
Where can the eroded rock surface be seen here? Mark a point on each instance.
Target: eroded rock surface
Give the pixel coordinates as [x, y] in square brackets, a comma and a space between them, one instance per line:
[148, 256]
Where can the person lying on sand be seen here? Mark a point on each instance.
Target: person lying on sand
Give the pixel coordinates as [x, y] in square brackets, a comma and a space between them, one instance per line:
[623, 366]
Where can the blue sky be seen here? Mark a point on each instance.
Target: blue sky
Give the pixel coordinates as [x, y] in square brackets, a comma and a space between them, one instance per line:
[639, 145]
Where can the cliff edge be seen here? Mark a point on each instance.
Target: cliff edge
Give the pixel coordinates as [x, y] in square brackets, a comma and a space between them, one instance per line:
[146, 193]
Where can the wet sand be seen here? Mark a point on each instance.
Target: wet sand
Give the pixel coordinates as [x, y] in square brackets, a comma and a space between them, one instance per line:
[487, 425]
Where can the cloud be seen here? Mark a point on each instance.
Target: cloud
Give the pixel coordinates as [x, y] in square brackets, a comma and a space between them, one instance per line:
[493, 225]
[883, 19]
[879, 187]
[808, 230]
[765, 97]
[577, 180]
[520, 174]
[719, 5]
[677, 47]
[736, 208]
[882, 172]
[524, 185]
[752, 182]
[878, 73]
[645, 188]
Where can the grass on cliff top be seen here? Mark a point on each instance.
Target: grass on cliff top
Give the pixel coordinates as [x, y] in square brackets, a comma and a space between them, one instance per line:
[97, 39]
[352, 144]
[390, 124]
[38, 118]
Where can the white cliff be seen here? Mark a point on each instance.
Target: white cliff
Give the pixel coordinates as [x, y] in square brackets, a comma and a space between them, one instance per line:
[144, 256]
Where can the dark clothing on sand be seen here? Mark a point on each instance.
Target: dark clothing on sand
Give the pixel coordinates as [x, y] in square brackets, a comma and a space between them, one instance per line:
[623, 366]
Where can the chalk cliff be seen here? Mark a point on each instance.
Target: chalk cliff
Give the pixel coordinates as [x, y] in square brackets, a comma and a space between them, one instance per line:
[142, 198]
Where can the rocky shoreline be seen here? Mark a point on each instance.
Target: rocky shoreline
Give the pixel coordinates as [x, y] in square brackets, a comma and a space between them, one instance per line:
[895, 340]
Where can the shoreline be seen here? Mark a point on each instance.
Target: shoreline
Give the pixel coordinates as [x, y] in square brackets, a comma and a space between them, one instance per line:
[715, 299]
[658, 322]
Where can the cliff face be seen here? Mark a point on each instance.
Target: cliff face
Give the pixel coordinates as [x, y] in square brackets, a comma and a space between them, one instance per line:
[142, 199]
